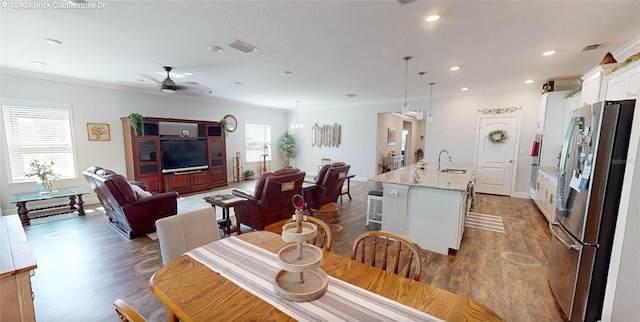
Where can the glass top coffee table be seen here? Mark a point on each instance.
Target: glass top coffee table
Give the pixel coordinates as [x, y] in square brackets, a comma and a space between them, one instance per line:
[21, 199]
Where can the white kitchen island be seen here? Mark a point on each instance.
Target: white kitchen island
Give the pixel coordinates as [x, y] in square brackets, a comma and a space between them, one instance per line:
[431, 212]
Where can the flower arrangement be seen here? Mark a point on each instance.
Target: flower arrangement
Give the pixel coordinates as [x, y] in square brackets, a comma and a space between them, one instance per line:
[44, 171]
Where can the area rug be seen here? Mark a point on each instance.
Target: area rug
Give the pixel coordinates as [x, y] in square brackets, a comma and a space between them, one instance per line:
[485, 222]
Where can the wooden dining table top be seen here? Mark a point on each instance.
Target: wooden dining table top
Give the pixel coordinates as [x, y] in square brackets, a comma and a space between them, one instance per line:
[193, 292]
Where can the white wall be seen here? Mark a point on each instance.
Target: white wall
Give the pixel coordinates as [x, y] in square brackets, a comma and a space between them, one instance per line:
[92, 104]
[453, 128]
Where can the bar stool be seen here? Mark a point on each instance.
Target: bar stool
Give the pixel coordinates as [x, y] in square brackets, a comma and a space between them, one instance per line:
[374, 215]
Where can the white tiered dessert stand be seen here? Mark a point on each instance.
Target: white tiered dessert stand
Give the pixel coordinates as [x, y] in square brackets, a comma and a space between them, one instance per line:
[300, 278]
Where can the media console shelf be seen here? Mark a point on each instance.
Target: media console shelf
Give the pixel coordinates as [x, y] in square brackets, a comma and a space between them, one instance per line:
[144, 155]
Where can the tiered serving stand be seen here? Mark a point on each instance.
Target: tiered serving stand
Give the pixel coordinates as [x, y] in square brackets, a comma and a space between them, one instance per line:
[300, 278]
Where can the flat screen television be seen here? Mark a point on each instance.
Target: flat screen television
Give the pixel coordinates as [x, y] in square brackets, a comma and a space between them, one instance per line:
[183, 155]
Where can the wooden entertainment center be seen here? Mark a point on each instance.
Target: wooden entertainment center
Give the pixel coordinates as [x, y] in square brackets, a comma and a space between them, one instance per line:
[144, 155]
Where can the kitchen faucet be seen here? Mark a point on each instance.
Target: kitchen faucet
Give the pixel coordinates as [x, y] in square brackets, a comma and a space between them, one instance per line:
[440, 155]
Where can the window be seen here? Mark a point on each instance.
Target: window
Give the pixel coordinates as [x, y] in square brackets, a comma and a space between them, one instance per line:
[258, 136]
[38, 132]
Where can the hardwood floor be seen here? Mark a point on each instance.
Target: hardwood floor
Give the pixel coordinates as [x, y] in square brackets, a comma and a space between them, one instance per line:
[84, 264]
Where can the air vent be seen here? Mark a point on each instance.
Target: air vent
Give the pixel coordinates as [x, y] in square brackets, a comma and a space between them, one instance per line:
[591, 47]
[243, 46]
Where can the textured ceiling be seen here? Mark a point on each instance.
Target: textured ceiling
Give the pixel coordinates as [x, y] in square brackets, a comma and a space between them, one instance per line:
[331, 48]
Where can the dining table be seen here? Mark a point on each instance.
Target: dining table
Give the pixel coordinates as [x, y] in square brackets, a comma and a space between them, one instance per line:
[193, 291]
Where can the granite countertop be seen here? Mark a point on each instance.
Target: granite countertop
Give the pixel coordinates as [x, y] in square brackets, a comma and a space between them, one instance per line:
[430, 177]
[551, 172]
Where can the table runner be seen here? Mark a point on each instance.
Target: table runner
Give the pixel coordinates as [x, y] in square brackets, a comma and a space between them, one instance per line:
[254, 269]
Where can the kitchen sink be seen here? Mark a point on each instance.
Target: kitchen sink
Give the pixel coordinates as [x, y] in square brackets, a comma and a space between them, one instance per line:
[456, 171]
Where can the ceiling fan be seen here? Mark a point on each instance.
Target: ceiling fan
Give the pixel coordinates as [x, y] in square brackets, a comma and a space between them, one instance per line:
[169, 86]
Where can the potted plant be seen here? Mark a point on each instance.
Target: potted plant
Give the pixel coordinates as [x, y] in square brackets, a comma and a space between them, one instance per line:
[287, 147]
[45, 174]
[248, 174]
[223, 127]
[136, 121]
[384, 166]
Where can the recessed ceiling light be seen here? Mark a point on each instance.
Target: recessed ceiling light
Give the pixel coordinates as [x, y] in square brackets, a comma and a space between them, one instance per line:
[432, 18]
[239, 83]
[188, 74]
[285, 73]
[464, 89]
[455, 68]
[529, 81]
[548, 53]
[216, 49]
[54, 42]
[140, 80]
[351, 95]
[41, 63]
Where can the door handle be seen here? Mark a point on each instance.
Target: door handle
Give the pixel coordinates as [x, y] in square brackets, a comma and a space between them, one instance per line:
[564, 243]
[510, 161]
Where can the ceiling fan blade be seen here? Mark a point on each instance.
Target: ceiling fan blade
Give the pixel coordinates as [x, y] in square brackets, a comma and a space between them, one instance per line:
[152, 79]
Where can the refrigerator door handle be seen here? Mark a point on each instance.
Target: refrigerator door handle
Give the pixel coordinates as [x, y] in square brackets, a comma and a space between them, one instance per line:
[564, 243]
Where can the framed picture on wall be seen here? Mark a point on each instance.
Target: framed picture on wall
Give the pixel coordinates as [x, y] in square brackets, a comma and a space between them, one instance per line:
[391, 136]
[98, 132]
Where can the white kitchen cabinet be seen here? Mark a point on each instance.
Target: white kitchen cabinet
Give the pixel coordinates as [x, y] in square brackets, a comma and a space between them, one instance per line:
[593, 84]
[624, 83]
[545, 197]
[553, 107]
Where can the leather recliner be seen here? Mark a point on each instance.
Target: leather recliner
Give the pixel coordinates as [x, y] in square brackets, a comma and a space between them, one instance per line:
[329, 182]
[132, 213]
[271, 200]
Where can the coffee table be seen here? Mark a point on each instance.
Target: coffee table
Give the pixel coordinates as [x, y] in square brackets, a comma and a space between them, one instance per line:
[225, 202]
[21, 199]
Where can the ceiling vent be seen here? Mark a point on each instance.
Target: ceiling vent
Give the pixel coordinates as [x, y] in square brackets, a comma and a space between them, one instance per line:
[591, 47]
[242, 46]
[402, 2]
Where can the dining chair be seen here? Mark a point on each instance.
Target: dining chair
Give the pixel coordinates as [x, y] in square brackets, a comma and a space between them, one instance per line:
[377, 247]
[126, 312]
[183, 232]
[323, 162]
[324, 237]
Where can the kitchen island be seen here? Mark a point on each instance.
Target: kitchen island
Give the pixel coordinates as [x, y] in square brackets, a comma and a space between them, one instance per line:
[430, 212]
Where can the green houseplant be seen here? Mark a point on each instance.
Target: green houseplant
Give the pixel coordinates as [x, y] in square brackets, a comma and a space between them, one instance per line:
[223, 127]
[248, 174]
[287, 147]
[136, 121]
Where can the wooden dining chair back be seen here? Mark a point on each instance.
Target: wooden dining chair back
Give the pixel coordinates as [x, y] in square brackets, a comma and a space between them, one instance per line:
[388, 252]
[126, 312]
[324, 237]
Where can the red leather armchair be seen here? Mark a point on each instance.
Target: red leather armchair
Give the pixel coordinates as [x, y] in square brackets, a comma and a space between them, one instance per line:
[329, 183]
[271, 200]
[132, 213]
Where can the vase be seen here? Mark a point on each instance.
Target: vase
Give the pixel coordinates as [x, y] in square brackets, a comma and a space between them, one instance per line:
[43, 187]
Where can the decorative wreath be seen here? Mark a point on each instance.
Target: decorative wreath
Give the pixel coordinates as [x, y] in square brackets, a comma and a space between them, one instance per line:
[497, 136]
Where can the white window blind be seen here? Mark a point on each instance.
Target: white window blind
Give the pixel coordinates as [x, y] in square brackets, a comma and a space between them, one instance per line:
[40, 133]
[257, 136]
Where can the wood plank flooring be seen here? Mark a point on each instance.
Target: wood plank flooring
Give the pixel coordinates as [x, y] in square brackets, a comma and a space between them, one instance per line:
[84, 264]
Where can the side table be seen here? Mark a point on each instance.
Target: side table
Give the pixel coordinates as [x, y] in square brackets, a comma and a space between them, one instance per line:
[226, 202]
[348, 192]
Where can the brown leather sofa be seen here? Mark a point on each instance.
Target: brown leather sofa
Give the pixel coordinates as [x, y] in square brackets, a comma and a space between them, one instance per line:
[130, 209]
[329, 181]
[271, 200]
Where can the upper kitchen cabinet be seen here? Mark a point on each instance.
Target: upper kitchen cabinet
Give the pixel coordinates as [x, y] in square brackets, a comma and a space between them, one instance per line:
[594, 84]
[624, 83]
[551, 116]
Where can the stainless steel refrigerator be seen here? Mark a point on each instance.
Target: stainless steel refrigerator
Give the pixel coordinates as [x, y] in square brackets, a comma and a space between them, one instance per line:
[590, 179]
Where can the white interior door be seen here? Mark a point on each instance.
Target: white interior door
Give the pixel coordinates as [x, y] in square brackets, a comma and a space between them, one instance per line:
[496, 161]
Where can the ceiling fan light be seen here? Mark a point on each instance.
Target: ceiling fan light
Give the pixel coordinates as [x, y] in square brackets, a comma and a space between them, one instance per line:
[168, 89]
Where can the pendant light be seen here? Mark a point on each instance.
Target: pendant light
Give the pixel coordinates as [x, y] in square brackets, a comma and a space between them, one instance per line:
[429, 117]
[420, 113]
[405, 106]
[297, 125]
